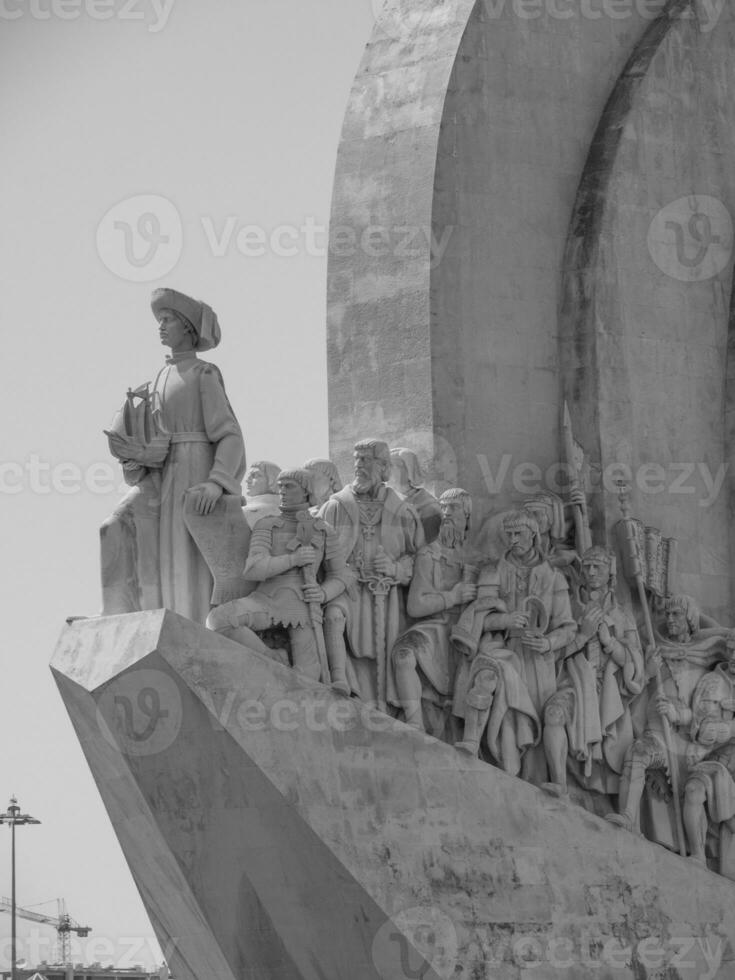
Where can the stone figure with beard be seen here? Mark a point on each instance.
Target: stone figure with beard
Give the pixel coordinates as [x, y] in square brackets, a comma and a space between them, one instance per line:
[685, 653]
[380, 533]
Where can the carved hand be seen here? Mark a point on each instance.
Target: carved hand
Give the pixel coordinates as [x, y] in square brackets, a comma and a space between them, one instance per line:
[314, 593]
[207, 496]
[667, 709]
[463, 592]
[576, 496]
[384, 565]
[304, 555]
[654, 660]
[515, 621]
[603, 631]
[591, 622]
[537, 642]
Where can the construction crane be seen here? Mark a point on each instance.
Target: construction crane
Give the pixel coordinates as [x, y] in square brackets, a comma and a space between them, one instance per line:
[63, 923]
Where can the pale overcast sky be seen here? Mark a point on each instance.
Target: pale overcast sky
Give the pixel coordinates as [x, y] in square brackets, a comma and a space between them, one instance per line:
[138, 115]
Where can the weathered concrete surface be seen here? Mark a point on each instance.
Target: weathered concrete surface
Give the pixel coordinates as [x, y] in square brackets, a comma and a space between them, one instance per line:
[278, 831]
[480, 123]
[646, 301]
[474, 122]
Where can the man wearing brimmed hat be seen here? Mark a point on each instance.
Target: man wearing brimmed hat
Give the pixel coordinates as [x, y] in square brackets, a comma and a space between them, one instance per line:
[149, 559]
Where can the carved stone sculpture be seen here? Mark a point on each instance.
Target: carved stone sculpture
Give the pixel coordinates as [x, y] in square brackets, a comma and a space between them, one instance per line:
[548, 509]
[261, 491]
[406, 477]
[587, 722]
[325, 480]
[683, 656]
[149, 559]
[300, 565]
[709, 789]
[380, 533]
[424, 660]
[514, 671]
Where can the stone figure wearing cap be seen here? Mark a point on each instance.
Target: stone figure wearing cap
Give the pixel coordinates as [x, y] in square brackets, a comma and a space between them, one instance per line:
[188, 443]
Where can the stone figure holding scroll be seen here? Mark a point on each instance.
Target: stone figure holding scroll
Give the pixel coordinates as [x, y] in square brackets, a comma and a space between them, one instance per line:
[524, 629]
[380, 533]
[299, 564]
[424, 660]
[189, 442]
[587, 722]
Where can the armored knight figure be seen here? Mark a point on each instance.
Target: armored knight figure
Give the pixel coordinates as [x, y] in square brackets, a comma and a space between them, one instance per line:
[406, 477]
[190, 447]
[587, 722]
[514, 673]
[709, 790]
[300, 565]
[685, 653]
[380, 533]
[424, 660]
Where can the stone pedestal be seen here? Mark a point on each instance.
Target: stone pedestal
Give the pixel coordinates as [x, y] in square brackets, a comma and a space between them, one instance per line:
[276, 830]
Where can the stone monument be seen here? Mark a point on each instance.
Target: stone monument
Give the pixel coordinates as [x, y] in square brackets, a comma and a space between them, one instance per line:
[529, 285]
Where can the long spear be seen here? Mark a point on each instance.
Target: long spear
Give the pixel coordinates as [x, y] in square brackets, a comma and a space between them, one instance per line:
[581, 520]
[634, 571]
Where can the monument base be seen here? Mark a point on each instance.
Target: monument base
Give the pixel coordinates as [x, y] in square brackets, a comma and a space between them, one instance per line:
[277, 830]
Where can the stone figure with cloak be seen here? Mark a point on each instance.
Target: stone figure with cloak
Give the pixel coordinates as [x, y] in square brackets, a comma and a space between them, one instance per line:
[587, 722]
[685, 651]
[381, 534]
[514, 634]
[709, 791]
[424, 661]
[177, 438]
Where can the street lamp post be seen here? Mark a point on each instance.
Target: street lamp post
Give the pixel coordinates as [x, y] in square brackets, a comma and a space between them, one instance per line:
[15, 818]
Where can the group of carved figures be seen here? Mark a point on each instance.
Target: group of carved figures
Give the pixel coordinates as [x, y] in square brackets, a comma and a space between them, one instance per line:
[530, 661]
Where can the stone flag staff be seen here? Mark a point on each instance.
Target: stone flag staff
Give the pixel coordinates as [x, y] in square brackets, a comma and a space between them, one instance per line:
[176, 437]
